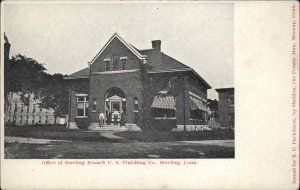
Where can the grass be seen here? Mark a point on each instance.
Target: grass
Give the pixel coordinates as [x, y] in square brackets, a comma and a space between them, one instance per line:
[54, 132]
[161, 136]
[96, 150]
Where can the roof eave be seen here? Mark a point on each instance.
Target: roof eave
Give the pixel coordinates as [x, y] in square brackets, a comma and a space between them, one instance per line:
[182, 70]
[202, 79]
[79, 77]
[135, 52]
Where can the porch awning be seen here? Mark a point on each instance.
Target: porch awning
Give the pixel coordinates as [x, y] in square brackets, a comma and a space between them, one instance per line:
[164, 102]
[197, 104]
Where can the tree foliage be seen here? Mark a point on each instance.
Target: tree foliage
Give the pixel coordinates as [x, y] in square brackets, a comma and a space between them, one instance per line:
[24, 75]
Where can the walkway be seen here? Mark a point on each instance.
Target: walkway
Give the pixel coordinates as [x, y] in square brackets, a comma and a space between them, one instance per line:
[107, 131]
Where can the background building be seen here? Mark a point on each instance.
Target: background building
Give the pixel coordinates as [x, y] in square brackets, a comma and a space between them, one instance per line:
[18, 113]
[226, 107]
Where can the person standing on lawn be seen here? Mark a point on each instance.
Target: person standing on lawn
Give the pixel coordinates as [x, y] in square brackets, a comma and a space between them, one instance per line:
[101, 119]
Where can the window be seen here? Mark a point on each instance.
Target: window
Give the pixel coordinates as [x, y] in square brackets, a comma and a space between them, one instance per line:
[26, 119]
[106, 65]
[123, 63]
[46, 121]
[40, 119]
[136, 103]
[28, 108]
[21, 118]
[41, 109]
[22, 107]
[33, 110]
[94, 104]
[33, 118]
[82, 106]
[16, 107]
[230, 120]
[115, 62]
[163, 113]
[230, 99]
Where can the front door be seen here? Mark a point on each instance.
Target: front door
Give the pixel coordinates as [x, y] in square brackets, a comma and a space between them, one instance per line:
[115, 106]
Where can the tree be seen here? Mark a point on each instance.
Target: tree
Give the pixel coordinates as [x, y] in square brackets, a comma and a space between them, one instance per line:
[24, 75]
[55, 95]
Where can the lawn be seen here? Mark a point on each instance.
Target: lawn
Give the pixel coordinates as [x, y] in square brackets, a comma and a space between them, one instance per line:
[161, 136]
[86, 144]
[96, 150]
[54, 132]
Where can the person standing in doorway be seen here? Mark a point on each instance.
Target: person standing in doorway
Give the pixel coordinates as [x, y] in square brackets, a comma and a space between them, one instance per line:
[115, 115]
[101, 119]
[122, 121]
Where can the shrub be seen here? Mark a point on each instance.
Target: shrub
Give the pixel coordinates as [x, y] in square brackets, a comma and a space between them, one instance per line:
[82, 123]
[164, 124]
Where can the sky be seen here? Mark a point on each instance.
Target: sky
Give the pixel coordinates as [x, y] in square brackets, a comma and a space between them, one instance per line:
[66, 36]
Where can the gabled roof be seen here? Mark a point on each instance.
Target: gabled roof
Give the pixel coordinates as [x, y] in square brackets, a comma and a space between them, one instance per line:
[161, 63]
[158, 61]
[116, 35]
[84, 73]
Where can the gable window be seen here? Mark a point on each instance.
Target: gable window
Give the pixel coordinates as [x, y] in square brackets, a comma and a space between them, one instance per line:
[106, 63]
[82, 105]
[115, 62]
[123, 63]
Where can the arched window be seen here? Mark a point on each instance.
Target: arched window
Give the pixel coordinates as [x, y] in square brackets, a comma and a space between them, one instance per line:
[94, 104]
[136, 103]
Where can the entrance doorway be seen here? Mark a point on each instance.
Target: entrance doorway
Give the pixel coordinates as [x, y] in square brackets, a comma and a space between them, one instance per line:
[115, 105]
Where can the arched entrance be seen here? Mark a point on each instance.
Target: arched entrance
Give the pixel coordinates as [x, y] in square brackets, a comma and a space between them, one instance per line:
[115, 105]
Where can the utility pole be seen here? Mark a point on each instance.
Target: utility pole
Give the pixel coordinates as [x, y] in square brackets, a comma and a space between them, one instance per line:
[184, 111]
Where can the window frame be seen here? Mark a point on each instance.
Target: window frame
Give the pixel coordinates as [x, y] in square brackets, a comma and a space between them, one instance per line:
[165, 112]
[123, 61]
[85, 105]
[230, 97]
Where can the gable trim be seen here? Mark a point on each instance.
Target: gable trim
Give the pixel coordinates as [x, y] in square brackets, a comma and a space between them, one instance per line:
[116, 35]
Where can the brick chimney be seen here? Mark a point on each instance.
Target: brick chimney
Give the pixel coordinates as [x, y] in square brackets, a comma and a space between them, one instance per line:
[6, 50]
[156, 45]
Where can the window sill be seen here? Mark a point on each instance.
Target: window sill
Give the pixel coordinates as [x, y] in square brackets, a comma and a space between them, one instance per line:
[94, 111]
[82, 117]
[165, 118]
[117, 71]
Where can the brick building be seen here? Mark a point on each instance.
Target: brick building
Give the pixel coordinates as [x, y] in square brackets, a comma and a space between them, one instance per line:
[124, 79]
[226, 107]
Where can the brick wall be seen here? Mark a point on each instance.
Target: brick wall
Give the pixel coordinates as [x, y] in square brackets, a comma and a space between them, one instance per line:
[129, 83]
[116, 47]
[224, 109]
